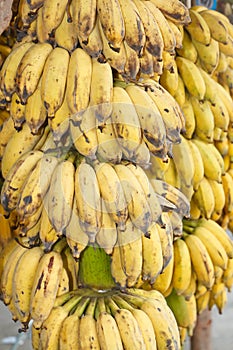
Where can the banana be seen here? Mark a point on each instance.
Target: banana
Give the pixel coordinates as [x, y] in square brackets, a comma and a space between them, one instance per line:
[198, 28]
[61, 195]
[146, 328]
[84, 17]
[213, 245]
[201, 261]
[54, 74]
[220, 234]
[5, 229]
[10, 67]
[112, 22]
[158, 167]
[35, 112]
[71, 266]
[165, 327]
[30, 70]
[20, 142]
[188, 49]
[165, 234]
[117, 270]
[108, 147]
[220, 113]
[205, 203]
[5, 252]
[50, 331]
[7, 130]
[6, 283]
[169, 40]
[108, 333]
[130, 244]
[182, 267]
[173, 195]
[227, 275]
[45, 286]
[84, 134]
[87, 333]
[134, 29]
[132, 64]
[42, 35]
[218, 29]
[164, 279]
[204, 119]
[36, 186]
[15, 178]
[107, 235]
[189, 116]
[182, 156]
[150, 118]
[52, 14]
[59, 125]
[208, 55]
[87, 196]
[198, 164]
[142, 156]
[116, 58]
[78, 82]
[154, 40]
[22, 286]
[219, 197]
[176, 11]
[138, 207]
[227, 182]
[189, 293]
[17, 111]
[68, 335]
[226, 98]
[212, 168]
[101, 89]
[227, 48]
[192, 77]
[172, 115]
[65, 34]
[151, 196]
[169, 77]
[111, 191]
[64, 283]
[94, 46]
[125, 122]
[178, 306]
[76, 238]
[128, 327]
[152, 255]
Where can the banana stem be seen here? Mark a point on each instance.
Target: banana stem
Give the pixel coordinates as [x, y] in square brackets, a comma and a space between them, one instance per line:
[190, 223]
[112, 306]
[81, 306]
[123, 304]
[69, 305]
[60, 245]
[95, 269]
[135, 300]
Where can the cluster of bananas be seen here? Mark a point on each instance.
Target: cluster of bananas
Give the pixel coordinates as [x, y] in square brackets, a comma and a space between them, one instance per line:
[135, 318]
[131, 35]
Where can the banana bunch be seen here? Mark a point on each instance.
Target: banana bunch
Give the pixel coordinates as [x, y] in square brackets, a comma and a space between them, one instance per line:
[5, 229]
[130, 35]
[108, 320]
[29, 289]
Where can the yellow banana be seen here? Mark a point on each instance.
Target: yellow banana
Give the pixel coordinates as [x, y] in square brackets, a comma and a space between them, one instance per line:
[164, 279]
[182, 266]
[87, 196]
[198, 28]
[132, 64]
[93, 46]
[227, 182]
[52, 14]
[146, 328]
[204, 119]
[138, 207]
[10, 67]
[84, 17]
[101, 89]
[201, 261]
[191, 76]
[54, 74]
[213, 245]
[175, 11]
[88, 337]
[198, 164]
[45, 286]
[108, 333]
[125, 122]
[22, 286]
[208, 55]
[169, 77]
[19, 143]
[134, 29]
[17, 111]
[219, 197]
[35, 111]
[61, 195]
[188, 49]
[66, 35]
[205, 202]
[111, 191]
[112, 22]
[30, 69]
[36, 186]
